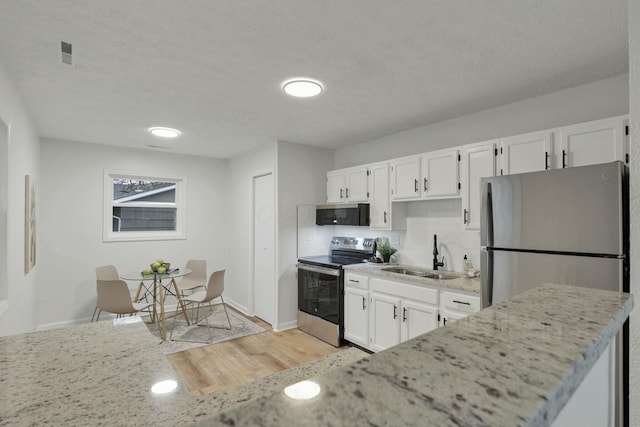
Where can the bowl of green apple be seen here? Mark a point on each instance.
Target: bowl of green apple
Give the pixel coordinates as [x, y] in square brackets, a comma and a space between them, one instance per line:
[158, 266]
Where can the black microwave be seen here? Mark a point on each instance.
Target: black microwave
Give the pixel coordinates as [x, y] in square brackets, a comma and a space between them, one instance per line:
[355, 214]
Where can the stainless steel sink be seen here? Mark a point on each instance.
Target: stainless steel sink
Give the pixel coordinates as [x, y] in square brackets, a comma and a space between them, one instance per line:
[440, 276]
[419, 273]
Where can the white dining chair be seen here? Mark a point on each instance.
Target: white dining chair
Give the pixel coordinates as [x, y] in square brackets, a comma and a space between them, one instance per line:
[197, 278]
[114, 297]
[214, 289]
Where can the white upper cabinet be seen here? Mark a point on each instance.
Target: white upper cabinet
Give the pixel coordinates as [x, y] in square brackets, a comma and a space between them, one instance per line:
[405, 178]
[456, 172]
[433, 175]
[336, 181]
[599, 141]
[348, 185]
[526, 153]
[440, 174]
[478, 161]
[357, 189]
[379, 203]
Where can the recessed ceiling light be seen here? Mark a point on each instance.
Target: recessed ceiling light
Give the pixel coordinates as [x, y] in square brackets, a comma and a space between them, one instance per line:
[302, 88]
[164, 132]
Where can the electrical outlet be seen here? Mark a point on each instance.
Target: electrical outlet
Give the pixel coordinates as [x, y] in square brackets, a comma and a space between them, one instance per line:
[394, 240]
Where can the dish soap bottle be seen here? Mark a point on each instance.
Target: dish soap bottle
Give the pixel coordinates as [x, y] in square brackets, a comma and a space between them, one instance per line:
[466, 265]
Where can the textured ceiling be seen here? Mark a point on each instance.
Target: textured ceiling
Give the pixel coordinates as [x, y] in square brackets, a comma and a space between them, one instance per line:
[214, 68]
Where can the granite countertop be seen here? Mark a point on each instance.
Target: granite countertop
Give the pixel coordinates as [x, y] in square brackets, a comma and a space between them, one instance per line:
[93, 374]
[461, 283]
[101, 374]
[519, 360]
[513, 364]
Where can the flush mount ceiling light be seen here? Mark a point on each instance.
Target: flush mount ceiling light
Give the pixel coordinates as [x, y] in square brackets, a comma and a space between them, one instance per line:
[302, 88]
[164, 132]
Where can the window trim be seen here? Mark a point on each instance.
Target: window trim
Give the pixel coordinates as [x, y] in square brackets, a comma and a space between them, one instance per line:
[108, 235]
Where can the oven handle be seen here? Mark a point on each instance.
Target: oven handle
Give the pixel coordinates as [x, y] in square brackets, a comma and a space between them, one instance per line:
[316, 269]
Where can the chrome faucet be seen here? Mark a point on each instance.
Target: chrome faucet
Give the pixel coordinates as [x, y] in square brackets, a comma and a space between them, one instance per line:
[436, 263]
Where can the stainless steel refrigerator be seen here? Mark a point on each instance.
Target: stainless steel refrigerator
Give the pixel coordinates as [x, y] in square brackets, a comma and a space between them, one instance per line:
[567, 226]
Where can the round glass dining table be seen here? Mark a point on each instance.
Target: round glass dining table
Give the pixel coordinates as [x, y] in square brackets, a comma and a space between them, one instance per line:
[160, 284]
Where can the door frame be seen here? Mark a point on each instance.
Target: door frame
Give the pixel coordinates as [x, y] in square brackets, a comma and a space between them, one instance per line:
[252, 291]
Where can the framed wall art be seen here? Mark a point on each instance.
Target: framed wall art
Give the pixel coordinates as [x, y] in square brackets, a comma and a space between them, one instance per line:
[29, 224]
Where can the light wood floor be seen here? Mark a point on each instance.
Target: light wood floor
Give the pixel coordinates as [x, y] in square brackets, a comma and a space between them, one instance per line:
[212, 368]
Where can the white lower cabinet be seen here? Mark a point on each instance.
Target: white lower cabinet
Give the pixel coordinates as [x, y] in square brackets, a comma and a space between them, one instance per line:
[385, 322]
[399, 311]
[380, 313]
[356, 309]
[417, 319]
[454, 306]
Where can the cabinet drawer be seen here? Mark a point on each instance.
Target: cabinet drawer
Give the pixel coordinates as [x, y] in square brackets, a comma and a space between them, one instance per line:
[356, 281]
[405, 291]
[460, 302]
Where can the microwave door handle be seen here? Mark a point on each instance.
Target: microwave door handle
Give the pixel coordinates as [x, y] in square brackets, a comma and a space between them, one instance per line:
[486, 216]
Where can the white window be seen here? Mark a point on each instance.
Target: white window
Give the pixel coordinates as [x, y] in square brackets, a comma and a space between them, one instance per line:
[143, 207]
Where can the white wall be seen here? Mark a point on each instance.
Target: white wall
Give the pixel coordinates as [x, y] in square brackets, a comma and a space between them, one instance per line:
[4, 204]
[238, 236]
[301, 178]
[605, 98]
[17, 307]
[634, 166]
[70, 228]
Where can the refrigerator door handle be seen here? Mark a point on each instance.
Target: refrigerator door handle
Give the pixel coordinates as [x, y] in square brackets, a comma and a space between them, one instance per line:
[486, 217]
[486, 277]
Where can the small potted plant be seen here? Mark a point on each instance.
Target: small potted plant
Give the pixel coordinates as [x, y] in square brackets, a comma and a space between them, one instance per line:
[386, 251]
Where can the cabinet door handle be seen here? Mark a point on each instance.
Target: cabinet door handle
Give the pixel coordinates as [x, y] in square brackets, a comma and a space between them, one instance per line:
[364, 307]
[426, 181]
[385, 217]
[546, 160]
[354, 281]
[444, 321]
[464, 216]
[341, 193]
[346, 193]
[564, 156]
[415, 185]
[404, 314]
[395, 311]
[461, 302]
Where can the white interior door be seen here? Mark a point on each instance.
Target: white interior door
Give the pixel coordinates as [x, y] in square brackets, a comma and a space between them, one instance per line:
[264, 247]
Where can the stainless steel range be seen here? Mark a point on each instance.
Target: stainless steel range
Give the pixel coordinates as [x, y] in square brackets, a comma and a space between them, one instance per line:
[321, 287]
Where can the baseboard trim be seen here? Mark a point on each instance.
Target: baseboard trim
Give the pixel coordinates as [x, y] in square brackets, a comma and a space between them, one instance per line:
[292, 324]
[168, 309]
[67, 323]
[241, 308]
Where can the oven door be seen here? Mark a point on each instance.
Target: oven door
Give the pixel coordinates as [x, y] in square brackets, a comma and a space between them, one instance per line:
[319, 292]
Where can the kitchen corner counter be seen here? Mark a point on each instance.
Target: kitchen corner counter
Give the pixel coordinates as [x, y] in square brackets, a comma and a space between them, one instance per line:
[93, 374]
[513, 364]
[462, 283]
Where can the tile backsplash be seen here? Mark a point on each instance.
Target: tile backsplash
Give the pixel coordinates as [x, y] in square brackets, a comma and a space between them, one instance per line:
[415, 247]
[443, 218]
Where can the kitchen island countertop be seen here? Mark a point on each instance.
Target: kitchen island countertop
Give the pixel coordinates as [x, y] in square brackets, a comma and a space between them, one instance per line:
[461, 283]
[514, 364]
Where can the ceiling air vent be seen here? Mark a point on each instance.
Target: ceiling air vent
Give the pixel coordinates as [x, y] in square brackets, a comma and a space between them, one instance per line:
[66, 52]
